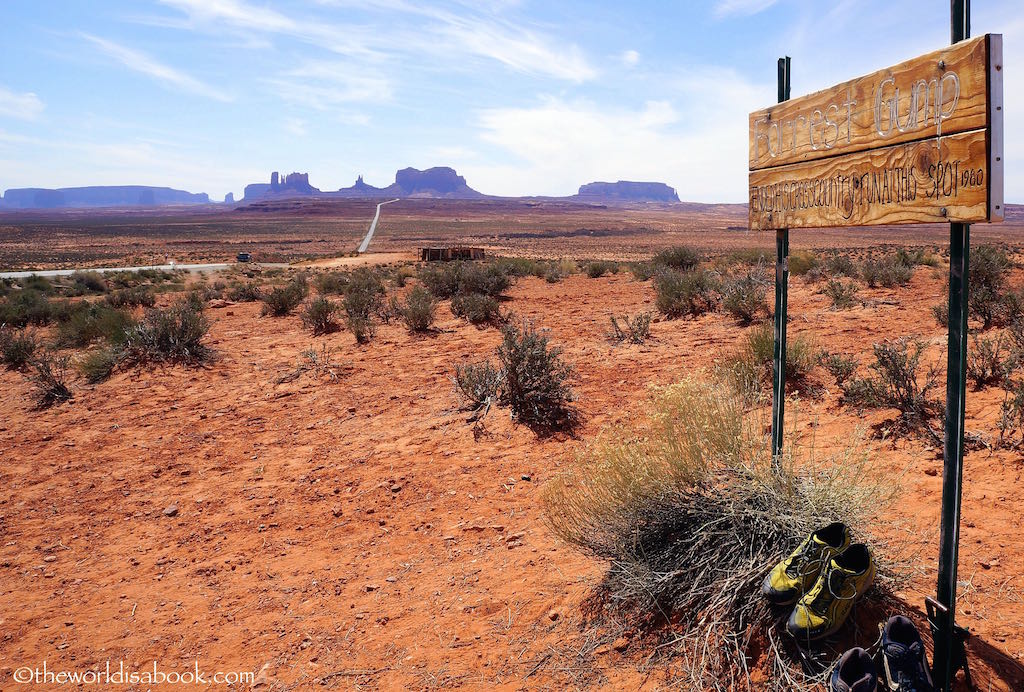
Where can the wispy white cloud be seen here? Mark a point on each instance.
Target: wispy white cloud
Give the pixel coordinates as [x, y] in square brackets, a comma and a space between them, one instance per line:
[630, 58]
[727, 8]
[145, 64]
[25, 106]
[296, 127]
[471, 32]
[327, 84]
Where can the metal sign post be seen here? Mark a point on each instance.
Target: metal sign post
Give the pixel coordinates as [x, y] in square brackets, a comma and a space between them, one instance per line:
[781, 305]
[950, 653]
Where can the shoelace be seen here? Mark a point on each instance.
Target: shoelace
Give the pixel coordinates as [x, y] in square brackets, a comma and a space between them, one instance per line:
[908, 666]
[828, 594]
[806, 561]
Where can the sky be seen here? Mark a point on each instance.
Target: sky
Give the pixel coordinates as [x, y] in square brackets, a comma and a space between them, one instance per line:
[522, 97]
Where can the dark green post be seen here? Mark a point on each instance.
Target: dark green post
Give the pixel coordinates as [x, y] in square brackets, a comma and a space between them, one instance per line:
[781, 305]
[949, 652]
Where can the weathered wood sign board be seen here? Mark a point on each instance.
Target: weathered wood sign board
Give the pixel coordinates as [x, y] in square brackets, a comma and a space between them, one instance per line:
[918, 142]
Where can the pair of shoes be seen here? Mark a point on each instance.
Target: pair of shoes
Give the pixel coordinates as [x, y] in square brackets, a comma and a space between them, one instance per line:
[824, 576]
[903, 662]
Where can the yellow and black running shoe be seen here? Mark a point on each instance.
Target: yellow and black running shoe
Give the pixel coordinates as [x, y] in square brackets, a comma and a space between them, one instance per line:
[825, 608]
[796, 575]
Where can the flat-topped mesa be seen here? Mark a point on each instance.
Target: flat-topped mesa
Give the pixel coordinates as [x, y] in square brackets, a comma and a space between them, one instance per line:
[98, 196]
[292, 184]
[440, 182]
[628, 191]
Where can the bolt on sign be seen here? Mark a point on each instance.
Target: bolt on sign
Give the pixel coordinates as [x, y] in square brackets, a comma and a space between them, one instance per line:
[918, 142]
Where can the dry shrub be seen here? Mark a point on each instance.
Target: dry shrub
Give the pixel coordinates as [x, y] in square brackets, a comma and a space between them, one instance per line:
[803, 261]
[283, 299]
[840, 366]
[991, 361]
[17, 347]
[136, 296]
[419, 309]
[887, 272]
[320, 316]
[680, 258]
[246, 293]
[363, 297]
[679, 294]
[843, 294]
[477, 385]
[90, 322]
[901, 382]
[173, 335]
[477, 308]
[635, 329]
[535, 380]
[745, 297]
[599, 268]
[690, 513]
[49, 378]
[749, 369]
[97, 366]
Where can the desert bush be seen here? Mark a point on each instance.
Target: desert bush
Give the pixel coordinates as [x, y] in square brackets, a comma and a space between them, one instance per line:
[419, 309]
[941, 314]
[137, 296]
[803, 261]
[26, 307]
[752, 256]
[49, 379]
[97, 366]
[17, 347]
[477, 385]
[911, 257]
[477, 308]
[1011, 417]
[599, 268]
[171, 335]
[749, 369]
[486, 279]
[843, 294]
[678, 294]
[249, 292]
[901, 382]
[886, 272]
[837, 264]
[41, 284]
[280, 301]
[363, 297]
[91, 322]
[991, 361]
[635, 329]
[642, 271]
[690, 513]
[840, 366]
[535, 383]
[320, 316]
[441, 278]
[745, 297]
[680, 258]
[521, 266]
[331, 282]
[85, 282]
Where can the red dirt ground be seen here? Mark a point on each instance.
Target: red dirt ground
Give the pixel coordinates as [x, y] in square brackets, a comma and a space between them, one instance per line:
[356, 534]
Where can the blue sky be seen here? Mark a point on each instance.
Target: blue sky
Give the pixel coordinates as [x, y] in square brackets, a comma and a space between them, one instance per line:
[520, 96]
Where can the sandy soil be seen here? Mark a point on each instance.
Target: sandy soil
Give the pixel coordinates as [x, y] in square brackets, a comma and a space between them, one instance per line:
[357, 534]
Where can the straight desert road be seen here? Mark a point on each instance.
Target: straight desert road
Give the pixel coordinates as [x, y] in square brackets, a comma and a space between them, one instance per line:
[373, 226]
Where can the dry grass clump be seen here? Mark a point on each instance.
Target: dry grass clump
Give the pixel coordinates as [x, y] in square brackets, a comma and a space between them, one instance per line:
[17, 347]
[749, 370]
[477, 385]
[690, 513]
[635, 329]
[49, 378]
[843, 294]
[745, 296]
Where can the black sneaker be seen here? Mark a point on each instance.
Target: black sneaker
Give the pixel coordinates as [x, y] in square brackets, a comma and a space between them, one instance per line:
[904, 661]
[855, 672]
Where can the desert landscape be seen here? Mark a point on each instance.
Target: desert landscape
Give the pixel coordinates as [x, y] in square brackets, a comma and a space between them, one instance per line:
[328, 513]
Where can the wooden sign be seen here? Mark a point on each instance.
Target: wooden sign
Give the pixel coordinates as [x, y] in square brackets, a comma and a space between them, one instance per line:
[918, 142]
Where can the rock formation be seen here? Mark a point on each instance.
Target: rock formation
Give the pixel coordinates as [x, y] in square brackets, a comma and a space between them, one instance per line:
[98, 196]
[627, 191]
[440, 182]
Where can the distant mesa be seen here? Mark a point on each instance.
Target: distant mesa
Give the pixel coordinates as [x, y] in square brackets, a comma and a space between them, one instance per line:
[229, 198]
[627, 191]
[98, 196]
[440, 182]
[291, 185]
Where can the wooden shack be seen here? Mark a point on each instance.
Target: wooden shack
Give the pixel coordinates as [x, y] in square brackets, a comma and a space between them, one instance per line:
[445, 254]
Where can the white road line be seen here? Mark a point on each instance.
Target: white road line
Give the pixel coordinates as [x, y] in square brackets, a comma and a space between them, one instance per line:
[373, 227]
